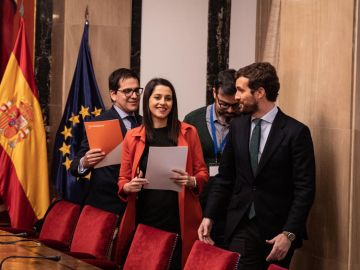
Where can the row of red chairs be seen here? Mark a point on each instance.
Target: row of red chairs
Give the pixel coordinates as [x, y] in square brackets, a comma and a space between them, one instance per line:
[152, 249]
[88, 234]
[85, 233]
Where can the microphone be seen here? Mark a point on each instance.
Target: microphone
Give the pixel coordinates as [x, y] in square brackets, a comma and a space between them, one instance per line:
[22, 234]
[19, 240]
[50, 258]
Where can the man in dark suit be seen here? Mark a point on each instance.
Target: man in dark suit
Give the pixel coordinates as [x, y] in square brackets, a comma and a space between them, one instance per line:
[125, 95]
[212, 123]
[266, 178]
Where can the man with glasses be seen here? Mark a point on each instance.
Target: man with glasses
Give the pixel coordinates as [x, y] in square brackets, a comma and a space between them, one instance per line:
[125, 95]
[212, 123]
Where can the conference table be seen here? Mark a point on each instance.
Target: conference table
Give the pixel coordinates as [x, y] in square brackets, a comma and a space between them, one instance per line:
[29, 248]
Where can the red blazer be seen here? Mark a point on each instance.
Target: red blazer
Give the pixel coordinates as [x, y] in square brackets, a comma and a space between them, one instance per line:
[189, 207]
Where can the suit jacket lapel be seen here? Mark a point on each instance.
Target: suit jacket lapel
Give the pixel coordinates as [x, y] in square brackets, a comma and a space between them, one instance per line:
[206, 133]
[275, 137]
[116, 115]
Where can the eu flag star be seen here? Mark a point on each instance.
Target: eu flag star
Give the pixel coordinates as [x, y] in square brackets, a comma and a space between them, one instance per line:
[74, 119]
[84, 111]
[66, 132]
[96, 112]
[65, 149]
[88, 176]
[67, 163]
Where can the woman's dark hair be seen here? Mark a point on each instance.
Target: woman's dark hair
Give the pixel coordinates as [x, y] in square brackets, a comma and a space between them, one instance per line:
[173, 124]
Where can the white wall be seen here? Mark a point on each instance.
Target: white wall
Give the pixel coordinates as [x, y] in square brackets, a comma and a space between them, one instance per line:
[174, 46]
[242, 33]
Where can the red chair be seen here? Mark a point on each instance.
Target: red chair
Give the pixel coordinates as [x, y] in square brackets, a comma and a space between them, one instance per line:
[276, 267]
[204, 256]
[94, 234]
[59, 225]
[151, 249]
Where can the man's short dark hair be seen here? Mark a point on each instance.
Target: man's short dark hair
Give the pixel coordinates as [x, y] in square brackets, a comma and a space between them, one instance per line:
[263, 75]
[226, 81]
[119, 75]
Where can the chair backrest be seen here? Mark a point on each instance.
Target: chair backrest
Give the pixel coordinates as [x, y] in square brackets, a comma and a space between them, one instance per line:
[60, 222]
[276, 267]
[94, 232]
[151, 249]
[205, 256]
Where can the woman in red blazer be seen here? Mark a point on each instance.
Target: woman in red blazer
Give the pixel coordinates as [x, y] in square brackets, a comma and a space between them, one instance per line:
[178, 212]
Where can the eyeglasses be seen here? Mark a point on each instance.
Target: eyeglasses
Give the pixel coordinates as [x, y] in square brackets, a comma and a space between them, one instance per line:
[129, 91]
[225, 106]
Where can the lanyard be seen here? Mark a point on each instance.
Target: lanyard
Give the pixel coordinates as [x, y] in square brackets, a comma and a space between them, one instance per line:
[217, 149]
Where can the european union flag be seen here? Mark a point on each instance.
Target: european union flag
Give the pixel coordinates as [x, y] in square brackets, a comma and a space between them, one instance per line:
[84, 103]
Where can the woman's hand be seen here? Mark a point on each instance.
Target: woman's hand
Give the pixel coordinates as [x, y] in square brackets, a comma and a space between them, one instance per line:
[182, 178]
[136, 184]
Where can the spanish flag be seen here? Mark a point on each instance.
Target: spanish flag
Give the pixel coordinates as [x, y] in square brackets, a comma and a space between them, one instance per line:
[24, 184]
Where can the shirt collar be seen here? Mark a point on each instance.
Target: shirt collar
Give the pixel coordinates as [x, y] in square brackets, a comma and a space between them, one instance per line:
[216, 119]
[270, 116]
[122, 114]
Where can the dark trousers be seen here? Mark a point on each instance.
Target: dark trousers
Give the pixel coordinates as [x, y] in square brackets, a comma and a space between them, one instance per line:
[175, 263]
[247, 241]
[217, 232]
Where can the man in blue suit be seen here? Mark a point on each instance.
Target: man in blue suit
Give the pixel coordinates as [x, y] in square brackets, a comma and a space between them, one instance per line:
[125, 95]
[266, 178]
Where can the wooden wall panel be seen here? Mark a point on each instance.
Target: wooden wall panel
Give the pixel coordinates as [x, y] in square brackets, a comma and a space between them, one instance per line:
[109, 41]
[316, 74]
[355, 195]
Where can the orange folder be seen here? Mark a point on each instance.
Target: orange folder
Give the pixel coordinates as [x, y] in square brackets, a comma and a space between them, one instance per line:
[105, 135]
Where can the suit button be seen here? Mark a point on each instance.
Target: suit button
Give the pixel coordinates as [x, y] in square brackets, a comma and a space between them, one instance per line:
[254, 188]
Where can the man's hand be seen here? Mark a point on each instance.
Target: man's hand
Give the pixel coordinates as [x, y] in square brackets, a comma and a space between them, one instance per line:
[92, 157]
[281, 245]
[204, 231]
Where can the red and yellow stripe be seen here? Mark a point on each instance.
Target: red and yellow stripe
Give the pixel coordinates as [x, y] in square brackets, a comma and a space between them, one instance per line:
[24, 183]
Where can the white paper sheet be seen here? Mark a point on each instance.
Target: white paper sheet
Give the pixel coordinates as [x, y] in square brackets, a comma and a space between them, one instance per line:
[112, 158]
[161, 161]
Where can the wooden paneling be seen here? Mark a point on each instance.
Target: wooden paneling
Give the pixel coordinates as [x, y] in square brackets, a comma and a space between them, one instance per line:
[316, 72]
[109, 42]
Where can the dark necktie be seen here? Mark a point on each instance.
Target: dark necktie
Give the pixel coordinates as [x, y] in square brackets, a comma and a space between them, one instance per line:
[254, 156]
[254, 145]
[132, 121]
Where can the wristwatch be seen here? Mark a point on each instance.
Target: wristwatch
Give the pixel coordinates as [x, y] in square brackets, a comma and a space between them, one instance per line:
[291, 236]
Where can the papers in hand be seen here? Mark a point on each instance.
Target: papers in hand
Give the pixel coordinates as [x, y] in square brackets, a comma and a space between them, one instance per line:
[107, 136]
[161, 162]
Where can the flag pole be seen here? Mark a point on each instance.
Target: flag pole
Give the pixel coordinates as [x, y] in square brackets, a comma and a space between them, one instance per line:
[87, 15]
[21, 10]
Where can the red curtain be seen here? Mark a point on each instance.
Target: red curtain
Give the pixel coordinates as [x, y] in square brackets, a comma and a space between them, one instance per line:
[9, 27]
[7, 14]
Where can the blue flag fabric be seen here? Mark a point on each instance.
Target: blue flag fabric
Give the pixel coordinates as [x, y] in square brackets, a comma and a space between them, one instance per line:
[84, 103]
